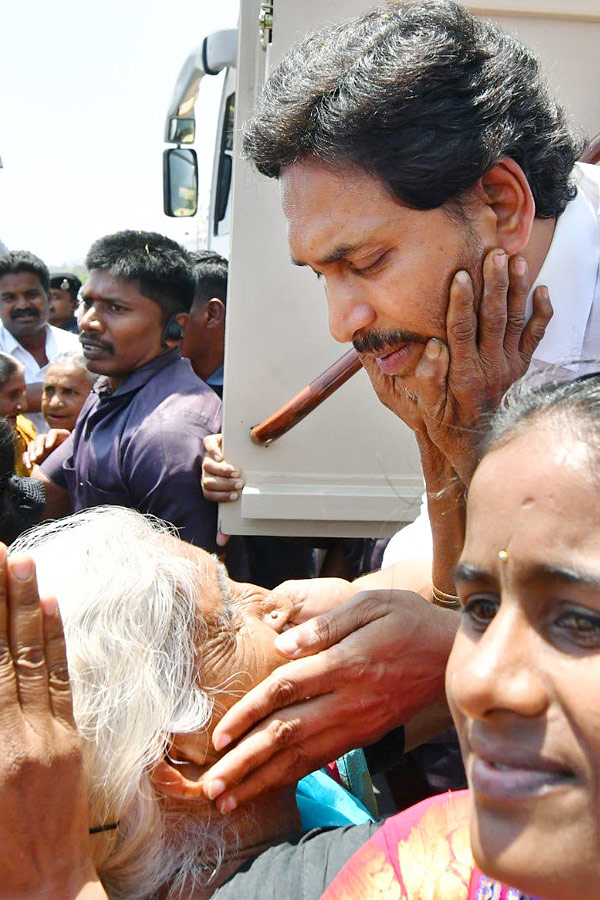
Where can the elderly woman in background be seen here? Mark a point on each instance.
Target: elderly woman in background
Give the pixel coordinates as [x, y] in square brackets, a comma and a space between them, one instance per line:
[67, 385]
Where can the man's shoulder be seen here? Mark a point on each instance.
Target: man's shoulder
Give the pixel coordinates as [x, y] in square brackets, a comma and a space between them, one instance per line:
[178, 388]
[175, 402]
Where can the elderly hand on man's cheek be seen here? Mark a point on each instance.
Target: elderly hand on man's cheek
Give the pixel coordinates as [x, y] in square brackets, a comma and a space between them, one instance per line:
[489, 346]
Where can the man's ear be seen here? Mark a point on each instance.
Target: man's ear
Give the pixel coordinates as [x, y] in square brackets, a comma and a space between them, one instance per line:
[182, 319]
[177, 779]
[215, 312]
[507, 193]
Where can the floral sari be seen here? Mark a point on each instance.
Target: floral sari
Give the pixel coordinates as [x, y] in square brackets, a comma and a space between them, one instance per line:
[423, 853]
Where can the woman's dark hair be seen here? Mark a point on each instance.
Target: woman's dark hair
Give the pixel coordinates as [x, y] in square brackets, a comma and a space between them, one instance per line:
[425, 97]
[161, 266]
[8, 366]
[573, 404]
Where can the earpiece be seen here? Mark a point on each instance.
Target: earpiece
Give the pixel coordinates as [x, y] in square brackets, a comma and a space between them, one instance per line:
[172, 331]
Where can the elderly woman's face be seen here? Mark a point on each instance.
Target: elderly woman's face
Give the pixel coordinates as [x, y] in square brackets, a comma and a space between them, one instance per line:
[238, 649]
[523, 680]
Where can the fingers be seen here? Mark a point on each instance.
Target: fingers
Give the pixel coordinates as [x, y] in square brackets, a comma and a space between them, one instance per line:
[461, 321]
[493, 307]
[8, 681]
[312, 597]
[332, 627]
[432, 373]
[290, 684]
[26, 636]
[536, 327]
[61, 700]
[518, 291]
[286, 728]
[287, 766]
[213, 446]
[221, 482]
[222, 539]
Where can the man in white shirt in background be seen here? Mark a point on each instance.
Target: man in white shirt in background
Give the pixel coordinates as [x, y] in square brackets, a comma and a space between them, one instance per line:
[25, 332]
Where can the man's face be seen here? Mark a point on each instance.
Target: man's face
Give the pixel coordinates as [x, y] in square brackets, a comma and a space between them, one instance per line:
[23, 304]
[386, 268]
[65, 389]
[60, 306]
[120, 328]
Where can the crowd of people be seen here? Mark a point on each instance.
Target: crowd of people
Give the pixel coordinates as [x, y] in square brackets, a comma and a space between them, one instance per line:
[187, 716]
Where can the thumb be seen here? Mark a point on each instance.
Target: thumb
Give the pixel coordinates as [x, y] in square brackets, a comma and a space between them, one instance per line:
[431, 374]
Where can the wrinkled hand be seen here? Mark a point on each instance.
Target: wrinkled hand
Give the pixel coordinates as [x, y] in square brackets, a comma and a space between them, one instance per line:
[46, 849]
[43, 445]
[490, 346]
[378, 659]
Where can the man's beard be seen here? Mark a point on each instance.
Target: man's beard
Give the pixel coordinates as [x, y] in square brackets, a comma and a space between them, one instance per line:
[470, 259]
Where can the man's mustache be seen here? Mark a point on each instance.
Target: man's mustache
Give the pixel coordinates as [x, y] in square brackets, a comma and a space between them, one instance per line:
[107, 346]
[21, 313]
[377, 341]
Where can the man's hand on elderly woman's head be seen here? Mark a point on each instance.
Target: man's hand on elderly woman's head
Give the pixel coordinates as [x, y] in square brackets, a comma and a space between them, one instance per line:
[46, 849]
[357, 672]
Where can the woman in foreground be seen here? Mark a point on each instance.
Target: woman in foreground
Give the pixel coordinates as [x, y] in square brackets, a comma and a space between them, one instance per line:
[523, 677]
[522, 683]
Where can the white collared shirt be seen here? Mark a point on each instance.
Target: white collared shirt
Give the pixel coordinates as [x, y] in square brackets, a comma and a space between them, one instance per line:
[571, 272]
[57, 341]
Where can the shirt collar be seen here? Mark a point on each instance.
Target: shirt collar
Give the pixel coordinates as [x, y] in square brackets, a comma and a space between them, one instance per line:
[569, 271]
[139, 377]
[11, 343]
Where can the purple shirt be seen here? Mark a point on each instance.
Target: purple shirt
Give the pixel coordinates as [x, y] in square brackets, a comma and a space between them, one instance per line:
[141, 446]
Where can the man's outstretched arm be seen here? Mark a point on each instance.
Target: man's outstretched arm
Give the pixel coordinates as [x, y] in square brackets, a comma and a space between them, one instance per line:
[355, 673]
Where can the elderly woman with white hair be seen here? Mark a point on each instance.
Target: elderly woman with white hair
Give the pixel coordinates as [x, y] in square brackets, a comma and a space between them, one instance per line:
[160, 643]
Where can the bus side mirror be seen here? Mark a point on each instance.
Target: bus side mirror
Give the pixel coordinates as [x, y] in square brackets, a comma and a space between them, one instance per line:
[180, 182]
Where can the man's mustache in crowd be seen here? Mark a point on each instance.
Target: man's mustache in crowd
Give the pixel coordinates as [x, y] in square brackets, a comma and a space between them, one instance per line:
[377, 342]
[21, 313]
[107, 346]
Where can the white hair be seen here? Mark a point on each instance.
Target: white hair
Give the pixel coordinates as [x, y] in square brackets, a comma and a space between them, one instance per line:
[133, 628]
[77, 359]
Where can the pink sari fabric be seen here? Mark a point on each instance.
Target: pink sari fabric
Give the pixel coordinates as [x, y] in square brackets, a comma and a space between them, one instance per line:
[423, 853]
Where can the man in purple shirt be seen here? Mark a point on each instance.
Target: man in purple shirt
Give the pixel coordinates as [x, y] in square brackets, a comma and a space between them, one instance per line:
[138, 441]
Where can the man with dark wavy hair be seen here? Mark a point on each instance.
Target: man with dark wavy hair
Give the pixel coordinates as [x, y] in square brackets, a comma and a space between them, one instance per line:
[429, 178]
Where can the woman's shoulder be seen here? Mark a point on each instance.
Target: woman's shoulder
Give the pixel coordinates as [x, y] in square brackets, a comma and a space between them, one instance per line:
[423, 851]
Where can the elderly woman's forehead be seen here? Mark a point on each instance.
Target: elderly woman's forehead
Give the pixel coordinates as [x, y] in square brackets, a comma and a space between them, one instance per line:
[195, 554]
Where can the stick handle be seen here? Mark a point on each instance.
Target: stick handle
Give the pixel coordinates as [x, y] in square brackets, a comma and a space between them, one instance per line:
[307, 399]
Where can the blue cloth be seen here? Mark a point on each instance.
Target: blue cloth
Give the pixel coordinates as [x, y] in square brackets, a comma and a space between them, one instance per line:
[141, 446]
[323, 803]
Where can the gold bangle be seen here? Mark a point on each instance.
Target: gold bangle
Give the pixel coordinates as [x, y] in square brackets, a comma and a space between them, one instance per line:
[440, 598]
